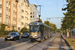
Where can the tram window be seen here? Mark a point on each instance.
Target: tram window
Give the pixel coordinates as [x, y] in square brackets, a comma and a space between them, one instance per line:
[34, 28]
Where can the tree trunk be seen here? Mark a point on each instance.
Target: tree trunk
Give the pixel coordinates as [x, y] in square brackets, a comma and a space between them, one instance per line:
[70, 33]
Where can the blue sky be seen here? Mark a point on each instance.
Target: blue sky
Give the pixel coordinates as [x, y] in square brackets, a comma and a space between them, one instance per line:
[51, 8]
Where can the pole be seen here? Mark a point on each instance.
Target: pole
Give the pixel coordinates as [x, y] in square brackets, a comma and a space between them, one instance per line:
[40, 11]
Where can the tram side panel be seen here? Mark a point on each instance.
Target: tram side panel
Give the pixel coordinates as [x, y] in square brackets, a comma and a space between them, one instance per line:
[42, 31]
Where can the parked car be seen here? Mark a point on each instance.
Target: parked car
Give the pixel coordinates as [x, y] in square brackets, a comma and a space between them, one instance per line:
[12, 36]
[25, 35]
[73, 32]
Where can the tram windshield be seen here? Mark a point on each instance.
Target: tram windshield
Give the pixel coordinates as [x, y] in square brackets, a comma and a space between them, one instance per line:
[34, 28]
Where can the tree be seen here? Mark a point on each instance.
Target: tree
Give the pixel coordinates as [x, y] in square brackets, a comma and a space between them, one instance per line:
[24, 30]
[68, 21]
[2, 27]
[40, 20]
[51, 25]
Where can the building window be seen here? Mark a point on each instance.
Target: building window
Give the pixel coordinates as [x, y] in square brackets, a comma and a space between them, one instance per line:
[22, 16]
[9, 17]
[19, 0]
[0, 6]
[0, 10]
[30, 16]
[0, 19]
[9, 2]
[31, 13]
[33, 16]
[22, 23]
[0, 14]
[19, 7]
[16, 0]
[6, 1]
[19, 20]
[22, 10]
[6, 19]
[19, 13]
[18, 28]
[9, 10]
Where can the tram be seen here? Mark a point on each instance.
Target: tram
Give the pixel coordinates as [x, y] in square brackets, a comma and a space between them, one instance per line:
[39, 31]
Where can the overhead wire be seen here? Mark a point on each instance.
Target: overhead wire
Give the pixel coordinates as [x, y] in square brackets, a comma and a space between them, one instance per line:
[42, 9]
[57, 10]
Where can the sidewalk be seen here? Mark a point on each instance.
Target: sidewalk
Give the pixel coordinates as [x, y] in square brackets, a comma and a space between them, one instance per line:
[65, 37]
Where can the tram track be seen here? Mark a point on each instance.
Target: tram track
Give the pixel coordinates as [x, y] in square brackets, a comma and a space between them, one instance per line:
[42, 44]
[55, 45]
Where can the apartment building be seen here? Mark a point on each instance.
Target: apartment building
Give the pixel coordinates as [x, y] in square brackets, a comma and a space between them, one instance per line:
[0, 11]
[23, 14]
[8, 13]
[16, 14]
[34, 16]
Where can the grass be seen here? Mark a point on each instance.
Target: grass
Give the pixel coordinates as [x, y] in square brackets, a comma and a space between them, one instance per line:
[71, 42]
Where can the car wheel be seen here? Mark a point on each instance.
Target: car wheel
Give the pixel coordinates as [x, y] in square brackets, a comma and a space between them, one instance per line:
[5, 39]
[18, 38]
[14, 39]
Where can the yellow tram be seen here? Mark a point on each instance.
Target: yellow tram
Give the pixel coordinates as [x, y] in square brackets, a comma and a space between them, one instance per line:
[39, 31]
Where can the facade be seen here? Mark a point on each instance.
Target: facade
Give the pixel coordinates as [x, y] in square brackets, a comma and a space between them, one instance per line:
[8, 14]
[34, 13]
[16, 14]
[23, 14]
[0, 11]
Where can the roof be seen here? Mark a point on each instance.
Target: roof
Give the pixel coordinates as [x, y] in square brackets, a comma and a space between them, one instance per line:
[40, 23]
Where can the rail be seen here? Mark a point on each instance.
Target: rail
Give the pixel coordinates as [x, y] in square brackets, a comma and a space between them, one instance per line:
[61, 46]
[50, 44]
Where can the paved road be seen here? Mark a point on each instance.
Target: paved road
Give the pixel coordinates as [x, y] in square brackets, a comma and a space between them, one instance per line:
[28, 45]
[4, 44]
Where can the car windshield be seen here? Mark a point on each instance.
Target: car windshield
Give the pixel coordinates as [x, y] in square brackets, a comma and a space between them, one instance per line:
[12, 33]
[34, 28]
[26, 34]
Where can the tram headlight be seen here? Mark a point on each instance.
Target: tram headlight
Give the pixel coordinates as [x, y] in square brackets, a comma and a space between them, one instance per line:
[35, 36]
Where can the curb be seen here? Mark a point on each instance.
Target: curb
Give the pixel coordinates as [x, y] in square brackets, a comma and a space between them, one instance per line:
[14, 46]
[67, 43]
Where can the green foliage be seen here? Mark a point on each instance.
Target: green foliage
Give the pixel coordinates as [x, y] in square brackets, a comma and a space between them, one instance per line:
[68, 21]
[2, 27]
[24, 30]
[51, 25]
[4, 32]
[40, 20]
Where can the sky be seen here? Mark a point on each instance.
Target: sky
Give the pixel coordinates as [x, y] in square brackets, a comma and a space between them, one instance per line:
[51, 9]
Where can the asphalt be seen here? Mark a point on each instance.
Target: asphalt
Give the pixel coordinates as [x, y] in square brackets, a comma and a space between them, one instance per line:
[28, 45]
[4, 44]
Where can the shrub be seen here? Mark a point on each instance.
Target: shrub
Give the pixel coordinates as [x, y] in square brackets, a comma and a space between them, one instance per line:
[24, 30]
